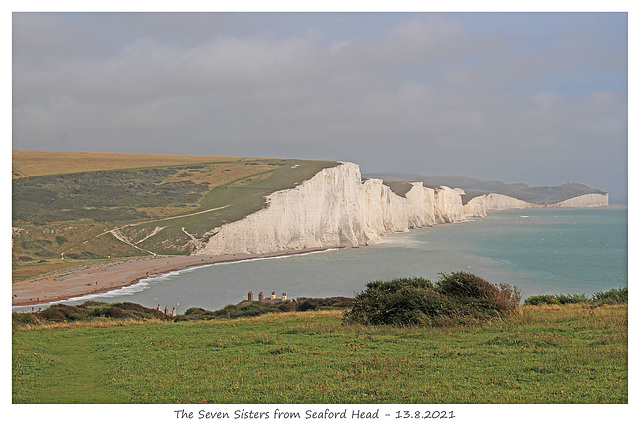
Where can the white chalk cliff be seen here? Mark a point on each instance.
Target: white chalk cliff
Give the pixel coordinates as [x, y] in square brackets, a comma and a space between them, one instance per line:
[584, 201]
[336, 208]
[480, 205]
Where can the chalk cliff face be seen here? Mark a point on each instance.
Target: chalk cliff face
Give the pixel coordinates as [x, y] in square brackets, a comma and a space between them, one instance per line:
[584, 201]
[334, 208]
[449, 205]
[499, 202]
[476, 207]
[326, 210]
[480, 205]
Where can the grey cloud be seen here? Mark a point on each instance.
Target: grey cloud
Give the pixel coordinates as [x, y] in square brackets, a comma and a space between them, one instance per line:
[428, 97]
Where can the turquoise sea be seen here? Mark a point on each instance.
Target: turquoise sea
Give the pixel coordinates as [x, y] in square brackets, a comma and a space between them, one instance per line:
[541, 251]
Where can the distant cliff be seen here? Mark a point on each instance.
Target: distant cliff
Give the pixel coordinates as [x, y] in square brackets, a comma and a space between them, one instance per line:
[479, 205]
[542, 196]
[584, 201]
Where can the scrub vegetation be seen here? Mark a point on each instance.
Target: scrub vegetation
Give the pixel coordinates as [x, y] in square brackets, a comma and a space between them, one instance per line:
[613, 296]
[457, 298]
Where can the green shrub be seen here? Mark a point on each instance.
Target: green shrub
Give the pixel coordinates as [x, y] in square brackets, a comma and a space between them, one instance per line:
[331, 303]
[83, 255]
[307, 306]
[249, 310]
[258, 308]
[29, 318]
[463, 284]
[479, 294]
[456, 298]
[36, 244]
[63, 313]
[88, 311]
[541, 299]
[44, 254]
[571, 298]
[613, 296]
[194, 311]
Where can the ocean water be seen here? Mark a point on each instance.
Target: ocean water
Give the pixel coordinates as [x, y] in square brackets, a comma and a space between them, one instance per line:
[541, 251]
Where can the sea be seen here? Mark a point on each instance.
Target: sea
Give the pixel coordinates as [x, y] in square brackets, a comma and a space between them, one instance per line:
[540, 251]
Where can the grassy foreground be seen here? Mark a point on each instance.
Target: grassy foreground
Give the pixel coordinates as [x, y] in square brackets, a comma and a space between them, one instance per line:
[551, 354]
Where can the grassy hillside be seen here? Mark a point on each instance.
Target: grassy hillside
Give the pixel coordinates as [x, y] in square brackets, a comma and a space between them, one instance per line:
[573, 353]
[68, 202]
[475, 187]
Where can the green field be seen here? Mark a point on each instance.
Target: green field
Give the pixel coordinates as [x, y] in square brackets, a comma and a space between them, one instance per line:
[65, 204]
[574, 353]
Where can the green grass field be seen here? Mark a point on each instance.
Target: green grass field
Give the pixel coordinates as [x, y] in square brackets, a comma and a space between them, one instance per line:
[551, 354]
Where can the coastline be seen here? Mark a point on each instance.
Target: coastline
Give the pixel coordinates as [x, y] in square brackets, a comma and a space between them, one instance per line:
[97, 279]
[101, 278]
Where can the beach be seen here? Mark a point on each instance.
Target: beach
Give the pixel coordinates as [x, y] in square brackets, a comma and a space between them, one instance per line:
[100, 278]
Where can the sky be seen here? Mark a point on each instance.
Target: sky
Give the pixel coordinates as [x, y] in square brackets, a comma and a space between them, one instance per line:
[540, 98]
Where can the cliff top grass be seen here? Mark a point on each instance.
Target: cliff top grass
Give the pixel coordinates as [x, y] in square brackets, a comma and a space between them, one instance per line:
[67, 202]
[400, 188]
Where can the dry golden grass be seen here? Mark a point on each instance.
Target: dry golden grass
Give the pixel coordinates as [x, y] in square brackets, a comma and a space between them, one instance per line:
[222, 173]
[39, 163]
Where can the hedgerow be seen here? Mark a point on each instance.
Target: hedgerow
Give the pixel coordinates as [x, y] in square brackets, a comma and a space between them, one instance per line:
[613, 296]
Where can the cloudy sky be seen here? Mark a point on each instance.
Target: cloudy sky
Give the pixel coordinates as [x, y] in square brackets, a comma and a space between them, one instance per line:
[539, 98]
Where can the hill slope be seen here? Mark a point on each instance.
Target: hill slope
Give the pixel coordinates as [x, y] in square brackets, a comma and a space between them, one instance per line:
[93, 206]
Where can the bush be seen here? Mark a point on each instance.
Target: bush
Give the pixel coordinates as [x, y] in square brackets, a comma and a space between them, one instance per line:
[88, 311]
[250, 310]
[331, 303]
[62, 313]
[24, 318]
[541, 299]
[480, 294]
[258, 308]
[83, 255]
[194, 311]
[614, 296]
[463, 284]
[307, 306]
[571, 298]
[456, 298]
[389, 304]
